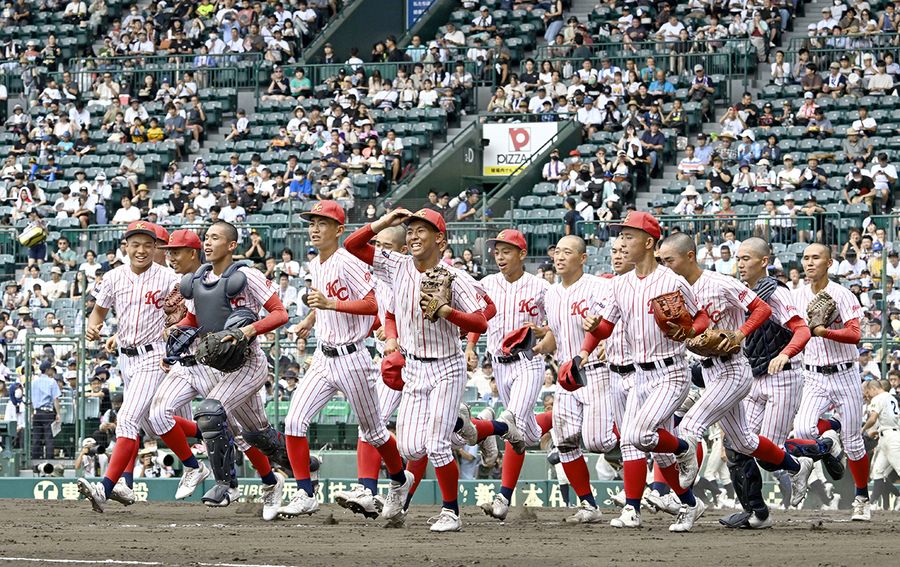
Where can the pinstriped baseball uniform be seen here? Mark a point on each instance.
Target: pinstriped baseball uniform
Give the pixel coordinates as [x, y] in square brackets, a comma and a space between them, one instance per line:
[887, 424]
[341, 277]
[388, 398]
[653, 395]
[586, 415]
[518, 382]
[137, 300]
[725, 299]
[774, 399]
[842, 389]
[435, 372]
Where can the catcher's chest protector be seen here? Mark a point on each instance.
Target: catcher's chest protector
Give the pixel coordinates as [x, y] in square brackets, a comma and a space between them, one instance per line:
[766, 342]
[212, 301]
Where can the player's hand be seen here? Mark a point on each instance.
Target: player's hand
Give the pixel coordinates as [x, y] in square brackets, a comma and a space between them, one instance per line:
[776, 365]
[165, 367]
[57, 419]
[819, 331]
[601, 351]
[539, 332]
[872, 433]
[92, 333]
[471, 360]
[583, 356]
[393, 218]
[304, 327]
[391, 346]
[112, 344]
[317, 300]
[379, 333]
[590, 322]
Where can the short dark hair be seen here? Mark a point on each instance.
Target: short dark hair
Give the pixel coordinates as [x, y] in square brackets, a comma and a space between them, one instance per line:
[231, 232]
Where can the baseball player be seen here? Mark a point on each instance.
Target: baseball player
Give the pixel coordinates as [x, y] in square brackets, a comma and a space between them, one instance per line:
[136, 293]
[588, 415]
[832, 375]
[343, 306]
[519, 297]
[162, 240]
[222, 295]
[661, 381]
[882, 423]
[727, 378]
[435, 371]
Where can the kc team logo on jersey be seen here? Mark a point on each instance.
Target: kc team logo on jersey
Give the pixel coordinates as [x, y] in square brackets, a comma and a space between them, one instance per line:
[154, 298]
[528, 306]
[334, 289]
[580, 308]
[714, 316]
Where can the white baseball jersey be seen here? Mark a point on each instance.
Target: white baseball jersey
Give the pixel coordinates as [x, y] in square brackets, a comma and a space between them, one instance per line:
[342, 277]
[820, 351]
[566, 308]
[629, 305]
[617, 349]
[783, 310]
[888, 410]
[518, 303]
[724, 298]
[137, 301]
[418, 336]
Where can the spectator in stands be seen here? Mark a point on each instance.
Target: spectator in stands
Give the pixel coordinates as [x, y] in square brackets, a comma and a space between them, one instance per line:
[466, 208]
[127, 213]
[65, 258]
[851, 268]
[718, 176]
[860, 188]
[813, 177]
[130, 170]
[288, 265]
[701, 90]
[690, 198]
[654, 142]
[819, 127]
[789, 177]
[726, 264]
[45, 395]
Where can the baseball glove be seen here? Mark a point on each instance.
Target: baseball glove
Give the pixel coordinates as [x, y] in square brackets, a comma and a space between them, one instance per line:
[714, 342]
[225, 356]
[672, 316]
[822, 311]
[174, 307]
[436, 291]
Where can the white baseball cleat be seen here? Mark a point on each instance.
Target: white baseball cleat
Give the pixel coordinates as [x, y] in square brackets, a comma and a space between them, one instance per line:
[498, 508]
[687, 516]
[190, 480]
[688, 467]
[800, 480]
[94, 492]
[513, 435]
[272, 495]
[398, 521]
[468, 432]
[862, 510]
[359, 500]
[446, 521]
[302, 503]
[122, 494]
[488, 446]
[586, 514]
[629, 518]
[758, 523]
[668, 503]
[618, 499]
[396, 497]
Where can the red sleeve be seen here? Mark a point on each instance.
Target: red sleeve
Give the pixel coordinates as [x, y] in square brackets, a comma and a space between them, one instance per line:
[592, 339]
[375, 325]
[358, 244]
[190, 320]
[701, 321]
[277, 316]
[469, 322]
[801, 336]
[390, 326]
[365, 306]
[489, 311]
[850, 334]
[760, 311]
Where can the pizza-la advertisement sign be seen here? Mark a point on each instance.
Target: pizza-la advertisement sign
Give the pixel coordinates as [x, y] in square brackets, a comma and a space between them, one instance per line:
[512, 145]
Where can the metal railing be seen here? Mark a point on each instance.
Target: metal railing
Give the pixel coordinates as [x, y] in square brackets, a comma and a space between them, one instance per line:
[245, 63]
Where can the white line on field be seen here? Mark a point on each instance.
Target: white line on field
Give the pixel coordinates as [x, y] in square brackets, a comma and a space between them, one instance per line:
[119, 562]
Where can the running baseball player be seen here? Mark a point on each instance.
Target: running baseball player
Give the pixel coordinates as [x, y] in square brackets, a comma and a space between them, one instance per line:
[435, 366]
[727, 377]
[224, 299]
[136, 293]
[519, 297]
[832, 375]
[343, 306]
[661, 381]
[882, 423]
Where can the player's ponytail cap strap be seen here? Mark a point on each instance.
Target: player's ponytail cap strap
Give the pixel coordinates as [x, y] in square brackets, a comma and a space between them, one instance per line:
[184, 239]
[642, 221]
[510, 236]
[141, 227]
[327, 209]
[433, 218]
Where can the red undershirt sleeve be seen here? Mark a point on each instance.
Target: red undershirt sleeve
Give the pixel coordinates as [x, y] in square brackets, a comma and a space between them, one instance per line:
[801, 336]
[364, 306]
[190, 320]
[701, 322]
[489, 311]
[850, 334]
[470, 322]
[277, 316]
[602, 331]
[760, 311]
[358, 244]
[390, 326]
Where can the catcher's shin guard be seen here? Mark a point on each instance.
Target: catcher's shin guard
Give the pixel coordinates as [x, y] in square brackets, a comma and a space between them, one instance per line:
[272, 445]
[213, 423]
[747, 482]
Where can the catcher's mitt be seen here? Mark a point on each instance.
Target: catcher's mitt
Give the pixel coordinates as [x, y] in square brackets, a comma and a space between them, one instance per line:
[174, 307]
[714, 342]
[225, 356]
[672, 316]
[822, 311]
[179, 342]
[436, 291]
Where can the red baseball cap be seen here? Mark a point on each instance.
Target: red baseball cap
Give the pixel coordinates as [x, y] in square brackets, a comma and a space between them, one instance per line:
[141, 227]
[430, 216]
[184, 239]
[642, 221]
[327, 209]
[510, 236]
[162, 234]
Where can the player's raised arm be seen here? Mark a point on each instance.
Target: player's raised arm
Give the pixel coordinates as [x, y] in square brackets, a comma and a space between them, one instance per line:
[358, 242]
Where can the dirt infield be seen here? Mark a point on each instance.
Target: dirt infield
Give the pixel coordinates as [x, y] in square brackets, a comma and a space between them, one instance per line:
[191, 534]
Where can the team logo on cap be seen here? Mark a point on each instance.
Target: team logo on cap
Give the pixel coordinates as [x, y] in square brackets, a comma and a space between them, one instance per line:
[317, 208]
[502, 235]
[139, 226]
[421, 214]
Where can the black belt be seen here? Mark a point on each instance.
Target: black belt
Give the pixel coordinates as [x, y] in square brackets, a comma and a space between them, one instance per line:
[831, 368]
[507, 359]
[593, 365]
[881, 433]
[710, 362]
[49, 409]
[626, 369]
[419, 358]
[134, 351]
[334, 352]
[667, 361]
